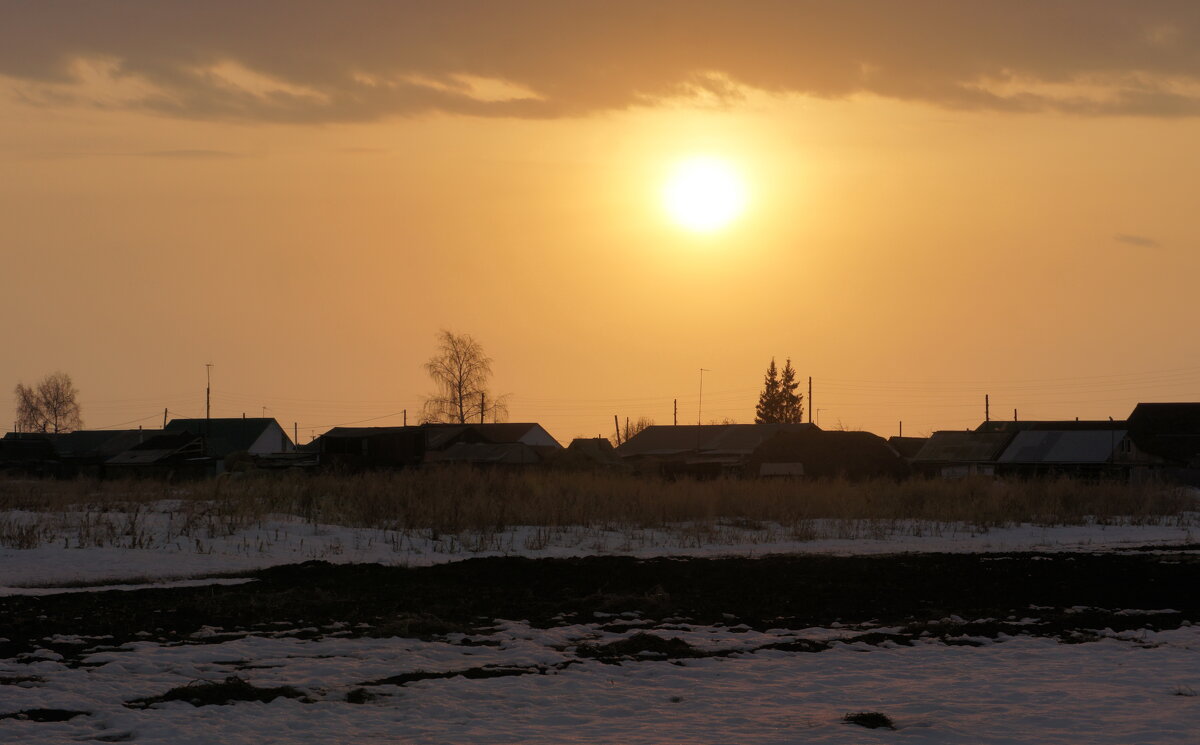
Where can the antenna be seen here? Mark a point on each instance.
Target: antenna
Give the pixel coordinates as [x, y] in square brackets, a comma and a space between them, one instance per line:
[208, 366]
[700, 403]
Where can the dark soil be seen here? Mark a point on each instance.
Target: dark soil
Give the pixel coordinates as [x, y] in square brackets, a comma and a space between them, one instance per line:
[217, 693]
[944, 595]
[45, 715]
[870, 720]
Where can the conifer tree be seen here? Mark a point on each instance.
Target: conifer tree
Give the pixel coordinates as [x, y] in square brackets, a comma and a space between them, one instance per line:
[767, 411]
[791, 407]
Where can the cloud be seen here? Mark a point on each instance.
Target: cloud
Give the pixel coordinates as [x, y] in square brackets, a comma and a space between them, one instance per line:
[313, 61]
[1140, 241]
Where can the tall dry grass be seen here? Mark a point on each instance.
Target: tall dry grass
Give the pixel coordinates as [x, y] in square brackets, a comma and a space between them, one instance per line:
[458, 500]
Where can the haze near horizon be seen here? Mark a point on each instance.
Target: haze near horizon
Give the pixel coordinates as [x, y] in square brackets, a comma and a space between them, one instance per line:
[917, 204]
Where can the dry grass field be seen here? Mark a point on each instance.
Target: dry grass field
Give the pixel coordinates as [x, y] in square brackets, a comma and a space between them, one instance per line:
[467, 501]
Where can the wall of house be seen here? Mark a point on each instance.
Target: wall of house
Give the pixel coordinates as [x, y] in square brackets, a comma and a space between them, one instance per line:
[538, 437]
[272, 440]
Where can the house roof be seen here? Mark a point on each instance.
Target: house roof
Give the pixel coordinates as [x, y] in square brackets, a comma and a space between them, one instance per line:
[99, 444]
[442, 436]
[1062, 446]
[951, 446]
[357, 432]
[158, 448]
[833, 453]
[1168, 430]
[225, 435]
[908, 447]
[710, 439]
[1060, 425]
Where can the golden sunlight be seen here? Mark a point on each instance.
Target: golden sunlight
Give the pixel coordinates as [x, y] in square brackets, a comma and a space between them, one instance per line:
[704, 194]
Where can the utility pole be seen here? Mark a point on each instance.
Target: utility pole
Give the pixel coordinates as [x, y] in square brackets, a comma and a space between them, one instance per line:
[295, 433]
[482, 407]
[676, 418]
[810, 399]
[987, 408]
[164, 417]
[207, 407]
[700, 403]
[406, 417]
[1014, 415]
[617, 428]
[902, 428]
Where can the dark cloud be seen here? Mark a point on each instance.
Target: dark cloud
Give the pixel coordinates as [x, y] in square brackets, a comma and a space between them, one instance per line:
[310, 61]
[1140, 241]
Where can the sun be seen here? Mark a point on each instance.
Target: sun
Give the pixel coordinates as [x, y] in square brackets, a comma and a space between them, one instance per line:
[704, 194]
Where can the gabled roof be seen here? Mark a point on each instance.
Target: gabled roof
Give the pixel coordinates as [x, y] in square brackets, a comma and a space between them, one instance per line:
[1063, 446]
[226, 435]
[710, 439]
[442, 436]
[951, 446]
[907, 447]
[590, 451]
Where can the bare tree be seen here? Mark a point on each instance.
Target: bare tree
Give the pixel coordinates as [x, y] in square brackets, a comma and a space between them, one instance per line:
[51, 406]
[460, 370]
[631, 428]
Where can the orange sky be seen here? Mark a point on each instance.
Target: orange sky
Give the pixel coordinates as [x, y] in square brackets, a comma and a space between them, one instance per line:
[941, 205]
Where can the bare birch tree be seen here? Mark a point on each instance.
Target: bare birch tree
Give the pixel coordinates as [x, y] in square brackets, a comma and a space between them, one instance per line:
[51, 406]
[460, 371]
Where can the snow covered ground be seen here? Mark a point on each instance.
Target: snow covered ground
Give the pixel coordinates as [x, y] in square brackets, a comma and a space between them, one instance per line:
[1138, 688]
[1128, 687]
[151, 545]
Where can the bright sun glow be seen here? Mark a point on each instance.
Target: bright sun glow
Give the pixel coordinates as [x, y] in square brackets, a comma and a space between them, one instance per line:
[704, 194]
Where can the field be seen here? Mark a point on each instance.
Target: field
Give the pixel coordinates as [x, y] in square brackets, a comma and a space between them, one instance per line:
[554, 608]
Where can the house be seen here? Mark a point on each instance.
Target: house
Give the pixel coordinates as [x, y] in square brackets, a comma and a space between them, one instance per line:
[27, 452]
[956, 454]
[907, 447]
[705, 450]
[508, 443]
[486, 454]
[170, 455]
[357, 448]
[1083, 449]
[229, 435]
[1163, 441]
[588, 454]
[442, 436]
[827, 454]
[69, 454]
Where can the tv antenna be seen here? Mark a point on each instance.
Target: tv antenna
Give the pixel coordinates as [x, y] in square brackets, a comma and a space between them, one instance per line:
[700, 403]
